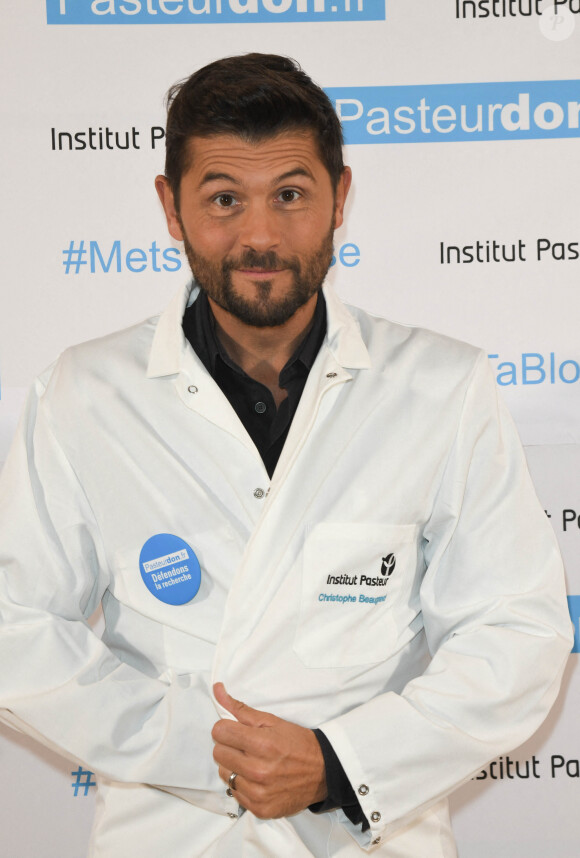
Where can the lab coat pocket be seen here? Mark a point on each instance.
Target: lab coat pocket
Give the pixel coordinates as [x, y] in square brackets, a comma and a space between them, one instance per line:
[360, 593]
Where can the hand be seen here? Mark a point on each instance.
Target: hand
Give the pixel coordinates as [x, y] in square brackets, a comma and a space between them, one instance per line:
[279, 765]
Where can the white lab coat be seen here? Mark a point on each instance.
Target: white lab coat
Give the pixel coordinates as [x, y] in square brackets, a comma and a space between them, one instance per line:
[399, 447]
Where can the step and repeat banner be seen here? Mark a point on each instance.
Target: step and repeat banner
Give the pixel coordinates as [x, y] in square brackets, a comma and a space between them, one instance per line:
[462, 122]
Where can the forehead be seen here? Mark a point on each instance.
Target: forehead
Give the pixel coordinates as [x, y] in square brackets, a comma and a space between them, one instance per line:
[228, 154]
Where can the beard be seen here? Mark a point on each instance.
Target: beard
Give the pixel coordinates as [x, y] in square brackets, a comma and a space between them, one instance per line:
[262, 310]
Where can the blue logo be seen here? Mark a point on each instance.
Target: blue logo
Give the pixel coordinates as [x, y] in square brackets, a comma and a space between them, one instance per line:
[439, 113]
[82, 256]
[114, 257]
[170, 569]
[535, 368]
[574, 608]
[83, 781]
[211, 11]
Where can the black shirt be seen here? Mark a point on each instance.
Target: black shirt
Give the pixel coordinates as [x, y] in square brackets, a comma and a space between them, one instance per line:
[268, 427]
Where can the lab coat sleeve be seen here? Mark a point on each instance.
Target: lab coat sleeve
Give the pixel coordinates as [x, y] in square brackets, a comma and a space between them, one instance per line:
[59, 682]
[497, 626]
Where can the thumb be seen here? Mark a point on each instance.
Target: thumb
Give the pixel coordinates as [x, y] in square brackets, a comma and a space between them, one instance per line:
[241, 711]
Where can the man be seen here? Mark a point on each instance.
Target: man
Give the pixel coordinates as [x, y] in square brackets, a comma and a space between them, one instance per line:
[323, 514]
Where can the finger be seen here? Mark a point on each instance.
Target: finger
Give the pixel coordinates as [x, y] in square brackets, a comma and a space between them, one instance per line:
[231, 788]
[220, 694]
[241, 711]
[222, 697]
[225, 774]
[229, 758]
[248, 795]
[235, 735]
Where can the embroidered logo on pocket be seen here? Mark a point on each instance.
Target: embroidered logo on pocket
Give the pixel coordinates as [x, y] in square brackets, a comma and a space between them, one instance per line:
[360, 584]
[388, 564]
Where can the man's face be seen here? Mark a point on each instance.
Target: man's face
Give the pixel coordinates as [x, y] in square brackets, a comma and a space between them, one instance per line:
[257, 222]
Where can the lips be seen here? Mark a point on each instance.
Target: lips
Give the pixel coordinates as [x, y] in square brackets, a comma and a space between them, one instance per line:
[260, 272]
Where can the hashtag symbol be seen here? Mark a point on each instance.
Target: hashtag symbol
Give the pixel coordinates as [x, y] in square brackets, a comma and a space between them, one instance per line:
[73, 257]
[83, 780]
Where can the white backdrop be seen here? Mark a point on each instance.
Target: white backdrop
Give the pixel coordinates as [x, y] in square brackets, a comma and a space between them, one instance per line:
[86, 251]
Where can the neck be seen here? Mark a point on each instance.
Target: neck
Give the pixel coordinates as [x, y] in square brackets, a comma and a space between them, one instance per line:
[263, 352]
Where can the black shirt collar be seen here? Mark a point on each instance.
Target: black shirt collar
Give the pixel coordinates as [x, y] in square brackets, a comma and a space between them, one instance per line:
[199, 328]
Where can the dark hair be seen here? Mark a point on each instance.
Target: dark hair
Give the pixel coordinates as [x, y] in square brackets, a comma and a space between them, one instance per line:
[254, 96]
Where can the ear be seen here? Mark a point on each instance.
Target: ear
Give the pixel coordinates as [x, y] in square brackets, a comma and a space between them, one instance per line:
[165, 194]
[342, 190]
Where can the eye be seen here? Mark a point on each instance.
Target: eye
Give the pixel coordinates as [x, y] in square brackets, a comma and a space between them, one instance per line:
[225, 201]
[289, 196]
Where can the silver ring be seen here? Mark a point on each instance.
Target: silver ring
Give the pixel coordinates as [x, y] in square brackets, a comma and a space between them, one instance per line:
[232, 780]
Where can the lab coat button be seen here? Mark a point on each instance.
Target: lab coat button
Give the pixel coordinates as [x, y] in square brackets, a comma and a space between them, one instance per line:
[331, 375]
[375, 816]
[232, 815]
[363, 789]
[259, 493]
[192, 388]
[260, 407]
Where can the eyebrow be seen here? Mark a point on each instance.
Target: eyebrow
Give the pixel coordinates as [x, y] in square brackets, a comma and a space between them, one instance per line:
[217, 177]
[299, 171]
[225, 177]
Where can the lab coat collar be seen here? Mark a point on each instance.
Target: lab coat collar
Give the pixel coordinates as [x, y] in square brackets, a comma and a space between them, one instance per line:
[169, 340]
[343, 335]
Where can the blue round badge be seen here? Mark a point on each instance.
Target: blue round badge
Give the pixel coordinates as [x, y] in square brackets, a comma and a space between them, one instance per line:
[170, 569]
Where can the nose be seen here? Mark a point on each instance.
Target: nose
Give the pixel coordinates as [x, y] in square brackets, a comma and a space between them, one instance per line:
[259, 228]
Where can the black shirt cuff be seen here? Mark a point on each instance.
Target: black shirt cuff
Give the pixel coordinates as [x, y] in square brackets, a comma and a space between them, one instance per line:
[339, 789]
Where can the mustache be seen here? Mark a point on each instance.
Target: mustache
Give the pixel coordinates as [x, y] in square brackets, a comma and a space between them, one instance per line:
[253, 259]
